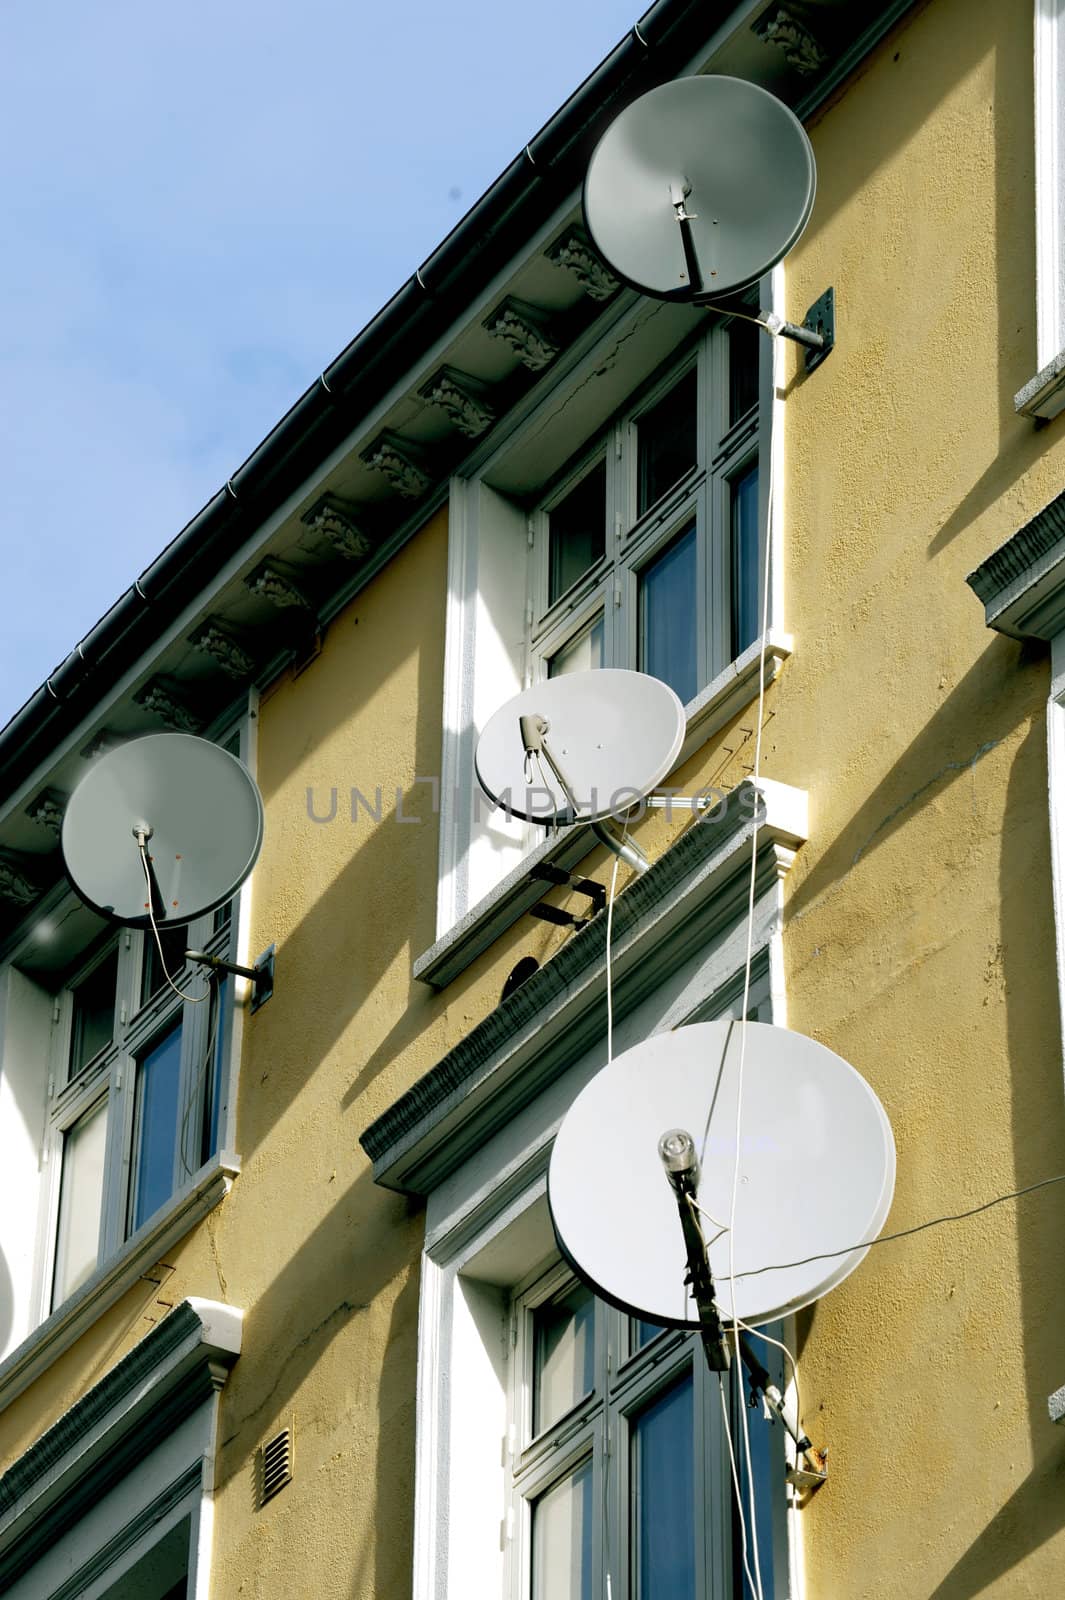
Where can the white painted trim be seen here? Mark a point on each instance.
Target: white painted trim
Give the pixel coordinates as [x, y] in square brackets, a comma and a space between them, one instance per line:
[111, 1280]
[1056, 798]
[1049, 179]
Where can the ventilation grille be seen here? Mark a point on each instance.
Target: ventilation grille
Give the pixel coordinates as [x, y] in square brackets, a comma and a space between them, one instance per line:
[275, 1465]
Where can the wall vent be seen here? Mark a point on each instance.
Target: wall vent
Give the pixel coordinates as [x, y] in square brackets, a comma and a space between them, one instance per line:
[275, 1464]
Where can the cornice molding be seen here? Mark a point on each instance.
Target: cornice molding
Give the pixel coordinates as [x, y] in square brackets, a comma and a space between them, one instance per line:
[180, 1363]
[529, 331]
[574, 254]
[463, 398]
[1022, 583]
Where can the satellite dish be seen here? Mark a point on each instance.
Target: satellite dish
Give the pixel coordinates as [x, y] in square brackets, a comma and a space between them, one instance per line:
[200, 811]
[816, 1172]
[610, 734]
[698, 188]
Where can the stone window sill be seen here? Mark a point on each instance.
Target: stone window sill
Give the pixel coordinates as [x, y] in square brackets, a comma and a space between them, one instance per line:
[110, 1281]
[730, 693]
[1044, 395]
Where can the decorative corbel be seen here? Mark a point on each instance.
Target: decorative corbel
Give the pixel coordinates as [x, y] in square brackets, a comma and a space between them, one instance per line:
[333, 519]
[573, 252]
[158, 698]
[275, 582]
[215, 640]
[801, 49]
[465, 399]
[47, 810]
[16, 886]
[401, 462]
[529, 331]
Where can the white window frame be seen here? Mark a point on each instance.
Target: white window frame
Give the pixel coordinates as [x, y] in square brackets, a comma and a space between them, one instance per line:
[726, 450]
[488, 655]
[470, 1536]
[141, 1021]
[1050, 179]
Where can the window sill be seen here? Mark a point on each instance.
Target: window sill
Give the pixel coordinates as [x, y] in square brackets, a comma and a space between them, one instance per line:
[110, 1281]
[730, 693]
[1044, 395]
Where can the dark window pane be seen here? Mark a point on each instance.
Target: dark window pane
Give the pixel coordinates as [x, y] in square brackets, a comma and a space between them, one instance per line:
[668, 634]
[663, 1535]
[743, 354]
[175, 943]
[746, 600]
[577, 528]
[581, 654]
[156, 1125]
[667, 441]
[94, 1012]
[563, 1355]
[213, 1086]
[643, 1332]
[562, 1539]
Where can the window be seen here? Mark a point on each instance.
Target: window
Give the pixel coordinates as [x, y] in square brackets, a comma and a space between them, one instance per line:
[1044, 395]
[137, 1085]
[619, 1448]
[646, 551]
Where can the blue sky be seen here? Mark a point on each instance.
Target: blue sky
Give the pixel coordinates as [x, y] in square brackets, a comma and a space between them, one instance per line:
[201, 205]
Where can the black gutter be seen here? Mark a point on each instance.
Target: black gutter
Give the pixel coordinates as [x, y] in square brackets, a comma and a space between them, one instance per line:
[519, 201]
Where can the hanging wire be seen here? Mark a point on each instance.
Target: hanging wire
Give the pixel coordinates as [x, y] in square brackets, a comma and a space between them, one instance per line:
[755, 774]
[196, 1000]
[737, 1492]
[609, 955]
[904, 1233]
[199, 1083]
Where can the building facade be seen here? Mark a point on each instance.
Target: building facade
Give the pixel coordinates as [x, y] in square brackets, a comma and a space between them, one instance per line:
[281, 1306]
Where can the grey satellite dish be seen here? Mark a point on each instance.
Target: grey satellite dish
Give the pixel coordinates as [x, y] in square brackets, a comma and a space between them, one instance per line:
[584, 746]
[199, 810]
[816, 1171]
[699, 187]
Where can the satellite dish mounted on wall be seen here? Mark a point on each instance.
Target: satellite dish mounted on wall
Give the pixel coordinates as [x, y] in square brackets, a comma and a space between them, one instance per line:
[581, 748]
[805, 1111]
[163, 830]
[698, 189]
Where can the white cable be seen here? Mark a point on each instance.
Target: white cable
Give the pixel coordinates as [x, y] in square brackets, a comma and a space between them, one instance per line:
[196, 1000]
[757, 1590]
[609, 963]
[201, 1076]
[735, 1482]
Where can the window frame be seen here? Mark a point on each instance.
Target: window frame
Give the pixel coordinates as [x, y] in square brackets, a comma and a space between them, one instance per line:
[725, 450]
[140, 1021]
[488, 1244]
[113, 1074]
[494, 559]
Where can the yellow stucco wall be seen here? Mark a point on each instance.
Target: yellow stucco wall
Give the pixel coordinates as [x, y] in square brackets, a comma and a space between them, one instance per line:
[918, 939]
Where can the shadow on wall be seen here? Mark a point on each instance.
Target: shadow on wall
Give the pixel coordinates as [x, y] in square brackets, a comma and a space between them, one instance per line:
[978, 714]
[318, 1311]
[1032, 1515]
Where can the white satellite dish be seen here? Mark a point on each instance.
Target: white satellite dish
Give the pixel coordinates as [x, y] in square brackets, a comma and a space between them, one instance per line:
[583, 746]
[197, 808]
[699, 187]
[816, 1172]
